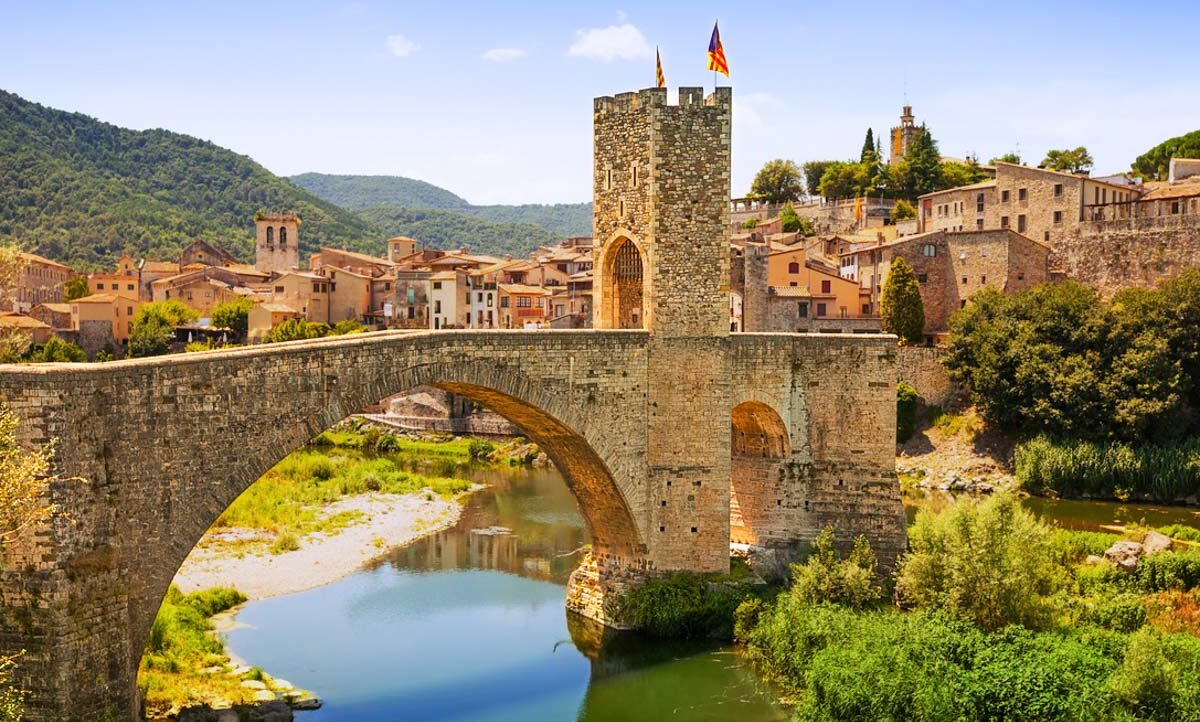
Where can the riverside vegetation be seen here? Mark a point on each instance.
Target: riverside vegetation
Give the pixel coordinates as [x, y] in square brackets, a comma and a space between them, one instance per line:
[1102, 393]
[995, 615]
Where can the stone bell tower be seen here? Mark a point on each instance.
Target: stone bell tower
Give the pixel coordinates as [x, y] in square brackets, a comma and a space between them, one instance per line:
[277, 242]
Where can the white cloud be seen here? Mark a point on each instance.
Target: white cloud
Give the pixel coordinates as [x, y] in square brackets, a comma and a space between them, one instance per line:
[401, 46]
[504, 55]
[615, 42]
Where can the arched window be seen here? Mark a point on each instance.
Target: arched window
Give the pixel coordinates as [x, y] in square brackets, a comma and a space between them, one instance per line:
[282, 237]
[270, 236]
[794, 267]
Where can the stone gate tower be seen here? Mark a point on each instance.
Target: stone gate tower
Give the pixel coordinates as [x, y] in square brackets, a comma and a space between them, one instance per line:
[277, 242]
[661, 230]
[661, 212]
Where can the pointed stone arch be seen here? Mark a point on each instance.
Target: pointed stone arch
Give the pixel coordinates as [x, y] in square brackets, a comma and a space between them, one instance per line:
[623, 276]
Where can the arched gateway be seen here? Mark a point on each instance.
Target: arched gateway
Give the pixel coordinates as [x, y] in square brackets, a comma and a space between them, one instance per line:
[148, 453]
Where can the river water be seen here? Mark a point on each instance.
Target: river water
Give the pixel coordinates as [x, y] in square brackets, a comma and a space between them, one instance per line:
[469, 624]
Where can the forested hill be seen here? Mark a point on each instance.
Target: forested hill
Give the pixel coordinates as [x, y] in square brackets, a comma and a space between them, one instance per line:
[83, 192]
[398, 196]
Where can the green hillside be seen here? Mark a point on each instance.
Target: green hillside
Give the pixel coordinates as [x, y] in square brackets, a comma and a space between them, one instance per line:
[362, 191]
[83, 192]
[449, 229]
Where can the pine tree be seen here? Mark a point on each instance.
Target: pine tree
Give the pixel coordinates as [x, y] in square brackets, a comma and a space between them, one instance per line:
[900, 308]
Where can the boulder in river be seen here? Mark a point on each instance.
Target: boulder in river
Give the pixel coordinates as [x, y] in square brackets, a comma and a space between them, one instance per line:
[1124, 555]
[1156, 542]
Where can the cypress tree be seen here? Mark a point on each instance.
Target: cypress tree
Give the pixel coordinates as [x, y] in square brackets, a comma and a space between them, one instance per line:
[868, 155]
[900, 308]
[924, 164]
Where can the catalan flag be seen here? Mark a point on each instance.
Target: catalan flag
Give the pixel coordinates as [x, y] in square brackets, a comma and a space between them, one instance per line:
[716, 53]
[659, 78]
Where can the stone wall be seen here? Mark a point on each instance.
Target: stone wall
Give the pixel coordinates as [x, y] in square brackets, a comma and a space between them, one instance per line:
[921, 367]
[1112, 255]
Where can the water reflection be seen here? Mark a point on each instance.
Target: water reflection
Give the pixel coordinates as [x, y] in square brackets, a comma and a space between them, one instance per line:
[1078, 514]
[469, 624]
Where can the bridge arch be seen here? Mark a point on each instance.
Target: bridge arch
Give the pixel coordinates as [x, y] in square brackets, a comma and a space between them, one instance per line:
[760, 445]
[577, 443]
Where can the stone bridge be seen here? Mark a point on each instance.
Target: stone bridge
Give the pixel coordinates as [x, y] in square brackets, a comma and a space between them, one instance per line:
[675, 436]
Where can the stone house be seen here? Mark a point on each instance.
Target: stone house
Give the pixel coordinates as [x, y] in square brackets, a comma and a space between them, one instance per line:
[206, 254]
[55, 315]
[409, 300]
[36, 331]
[951, 266]
[264, 317]
[304, 291]
[40, 280]
[121, 284]
[103, 320]
[449, 301]
[521, 304]
[401, 247]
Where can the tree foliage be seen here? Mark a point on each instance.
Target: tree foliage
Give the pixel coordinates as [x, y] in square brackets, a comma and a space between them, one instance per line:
[452, 229]
[900, 308]
[903, 211]
[1009, 157]
[1060, 360]
[777, 181]
[1156, 162]
[845, 180]
[22, 474]
[233, 314]
[57, 350]
[922, 166]
[296, 329]
[154, 326]
[75, 287]
[1073, 160]
[813, 171]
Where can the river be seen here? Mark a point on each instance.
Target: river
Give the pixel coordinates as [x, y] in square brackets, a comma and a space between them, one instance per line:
[469, 624]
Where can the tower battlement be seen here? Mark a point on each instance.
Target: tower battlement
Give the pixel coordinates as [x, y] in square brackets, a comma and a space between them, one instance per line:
[689, 98]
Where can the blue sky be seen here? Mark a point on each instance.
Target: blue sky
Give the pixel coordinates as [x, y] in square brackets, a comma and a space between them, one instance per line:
[493, 100]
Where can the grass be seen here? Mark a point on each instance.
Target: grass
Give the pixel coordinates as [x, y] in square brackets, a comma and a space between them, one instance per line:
[967, 424]
[1164, 473]
[365, 437]
[288, 500]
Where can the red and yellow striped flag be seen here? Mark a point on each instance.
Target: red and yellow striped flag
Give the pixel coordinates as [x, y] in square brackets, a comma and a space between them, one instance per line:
[659, 78]
[716, 53]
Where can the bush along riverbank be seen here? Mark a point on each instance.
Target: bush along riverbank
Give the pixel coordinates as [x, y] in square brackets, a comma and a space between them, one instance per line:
[1167, 473]
[991, 615]
[185, 672]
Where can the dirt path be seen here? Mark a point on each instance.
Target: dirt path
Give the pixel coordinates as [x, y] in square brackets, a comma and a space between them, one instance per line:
[957, 454]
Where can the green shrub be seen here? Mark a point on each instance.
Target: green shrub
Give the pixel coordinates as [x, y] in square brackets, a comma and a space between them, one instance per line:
[1120, 612]
[1181, 532]
[285, 542]
[989, 562]
[685, 605]
[745, 618]
[1147, 680]
[1168, 570]
[213, 601]
[481, 449]
[825, 578]
[1074, 546]
[906, 411]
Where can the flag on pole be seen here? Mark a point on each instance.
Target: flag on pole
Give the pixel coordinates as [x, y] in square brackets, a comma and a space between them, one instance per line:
[716, 53]
[659, 79]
